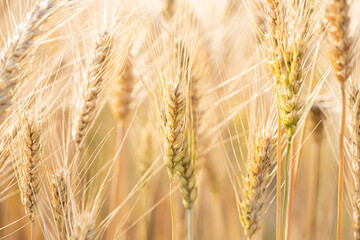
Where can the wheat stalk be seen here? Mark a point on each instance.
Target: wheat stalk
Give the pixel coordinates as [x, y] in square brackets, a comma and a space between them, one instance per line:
[317, 117]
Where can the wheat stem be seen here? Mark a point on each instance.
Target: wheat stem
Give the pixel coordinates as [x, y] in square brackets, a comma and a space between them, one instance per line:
[32, 229]
[190, 224]
[278, 180]
[114, 196]
[341, 163]
[313, 191]
[173, 229]
[286, 194]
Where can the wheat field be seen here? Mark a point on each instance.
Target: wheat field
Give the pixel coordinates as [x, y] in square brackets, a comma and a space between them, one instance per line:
[179, 119]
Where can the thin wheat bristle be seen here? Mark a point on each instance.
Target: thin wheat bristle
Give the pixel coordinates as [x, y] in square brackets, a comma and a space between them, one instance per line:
[175, 141]
[147, 151]
[93, 87]
[17, 49]
[122, 98]
[59, 190]
[29, 167]
[337, 15]
[84, 227]
[256, 181]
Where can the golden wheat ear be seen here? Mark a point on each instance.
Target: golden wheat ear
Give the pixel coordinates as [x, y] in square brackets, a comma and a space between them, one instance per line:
[15, 53]
[89, 101]
[121, 99]
[59, 202]
[29, 167]
[256, 181]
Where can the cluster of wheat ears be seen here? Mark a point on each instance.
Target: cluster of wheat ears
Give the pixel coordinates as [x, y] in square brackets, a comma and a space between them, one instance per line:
[179, 119]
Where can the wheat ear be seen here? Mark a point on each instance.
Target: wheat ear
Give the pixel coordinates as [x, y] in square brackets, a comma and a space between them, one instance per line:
[29, 168]
[174, 136]
[338, 17]
[18, 48]
[59, 190]
[256, 181]
[121, 99]
[287, 57]
[89, 100]
[175, 140]
[274, 36]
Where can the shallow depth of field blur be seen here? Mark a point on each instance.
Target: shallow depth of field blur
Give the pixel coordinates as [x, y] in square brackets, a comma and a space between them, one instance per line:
[124, 145]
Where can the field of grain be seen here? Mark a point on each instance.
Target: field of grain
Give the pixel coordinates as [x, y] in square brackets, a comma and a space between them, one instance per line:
[179, 119]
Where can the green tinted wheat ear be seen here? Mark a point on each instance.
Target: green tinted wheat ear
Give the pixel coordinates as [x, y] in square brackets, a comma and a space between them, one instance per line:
[337, 15]
[59, 190]
[256, 181]
[89, 100]
[29, 168]
[18, 48]
[287, 57]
